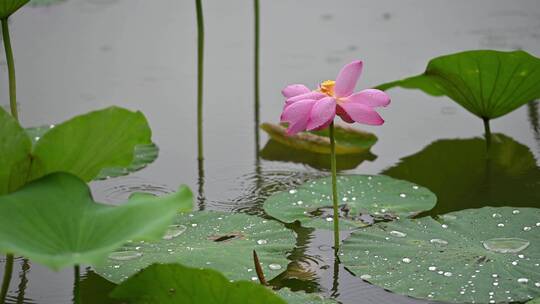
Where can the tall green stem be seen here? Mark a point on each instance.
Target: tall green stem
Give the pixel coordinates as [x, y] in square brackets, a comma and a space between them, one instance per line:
[11, 69]
[77, 285]
[200, 70]
[8, 271]
[256, 68]
[487, 130]
[334, 187]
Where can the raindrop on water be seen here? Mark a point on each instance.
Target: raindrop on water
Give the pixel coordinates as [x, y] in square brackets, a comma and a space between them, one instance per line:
[506, 245]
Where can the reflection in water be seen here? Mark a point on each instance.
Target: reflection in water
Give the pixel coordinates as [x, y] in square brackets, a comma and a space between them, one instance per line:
[276, 151]
[462, 175]
[119, 189]
[77, 285]
[201, 199]
[8, 271]
[23, 283]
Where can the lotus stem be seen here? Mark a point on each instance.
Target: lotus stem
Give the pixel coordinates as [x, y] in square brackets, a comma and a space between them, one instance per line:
[487, 130]
[11, 69]
[8, 271]
[258, 269]
[256, 70]
[334, 186]
[77, 285]
[200, 70]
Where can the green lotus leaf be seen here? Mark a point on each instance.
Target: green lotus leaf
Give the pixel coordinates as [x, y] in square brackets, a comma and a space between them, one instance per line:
[348, 140]
[208, 239]
[487, 83]
[143, 155]
[534, 301]
[15, 149]
[174, 283]
[276, 151]
[55, 222]
[8, 7]
[364, 199]
[86, 144]
[462, 175]
[488, 255]
[300, 297]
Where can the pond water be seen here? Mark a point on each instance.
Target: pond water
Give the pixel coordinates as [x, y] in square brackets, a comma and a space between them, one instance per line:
[79, 55]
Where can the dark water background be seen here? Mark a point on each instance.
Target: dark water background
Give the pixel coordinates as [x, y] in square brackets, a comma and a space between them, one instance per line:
[81, 55]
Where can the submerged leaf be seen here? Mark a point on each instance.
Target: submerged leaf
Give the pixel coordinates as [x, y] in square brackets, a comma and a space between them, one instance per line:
[348, 140]
[55, 222]
[488, 83]
[488, 255]
[174, 283]
[207, 239]
[276, 151]
[363, 199]
[462, 175]
[14, 154]
[8, 7]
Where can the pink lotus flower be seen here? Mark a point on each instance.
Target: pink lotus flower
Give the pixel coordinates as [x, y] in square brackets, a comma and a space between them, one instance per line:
[314, 110]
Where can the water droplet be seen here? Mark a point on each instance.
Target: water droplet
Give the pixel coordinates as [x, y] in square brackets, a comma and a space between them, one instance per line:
[194, 225]
[254, 278]
[174, 231]
[125, 255]
[538, 224]
[415, 187]
[521, 256]
[515, 211]
[527, 228]
[495, 283]
[300, 202]
[523, 280]
[262, 242]
[274, 266]
[293, 191]
[494, 275]
[438, 242]
[444, 226]
[365, 277]
[537, 284]
[398, 233]
[403, 195]
[447, 274]
[506, 245]
[116, 266]
[406, 260]
[432, 268]
[329, 219]
[500, 225]
[496, 215]
[514, 263]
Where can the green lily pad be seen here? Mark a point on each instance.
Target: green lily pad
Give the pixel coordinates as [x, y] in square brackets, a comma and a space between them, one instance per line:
[463, 175]
[8, 7]
[348, 140]
[215, 240]
[534, 301]
[174, 283]
[364, 199]
[300, 297]
[143, 155]
[55, 222]
[15, 154]
[487, 83]
[488, 255]
[276, 151]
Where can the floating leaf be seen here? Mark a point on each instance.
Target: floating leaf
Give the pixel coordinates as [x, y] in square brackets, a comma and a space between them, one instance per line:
[15, 154]
[348, 140]
[143, 155]
[277, 151]
[488, 83]
[173, 283]
[488, 255]
[8, 7]
[300, 297]
[88, 143]
[364, 198]
[462, 175]
[216, 240]
[54, 221]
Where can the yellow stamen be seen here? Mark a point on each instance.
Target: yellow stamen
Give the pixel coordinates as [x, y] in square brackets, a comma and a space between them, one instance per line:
[327, 87]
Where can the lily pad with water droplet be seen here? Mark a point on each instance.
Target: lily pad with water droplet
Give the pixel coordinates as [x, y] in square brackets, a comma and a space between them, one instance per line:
[143, 155]
[487, 83]
[55, 222]
[481, 261]
[363, 199]
[348, 140]
[300, 297]
[174, 283]
[215, 240]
